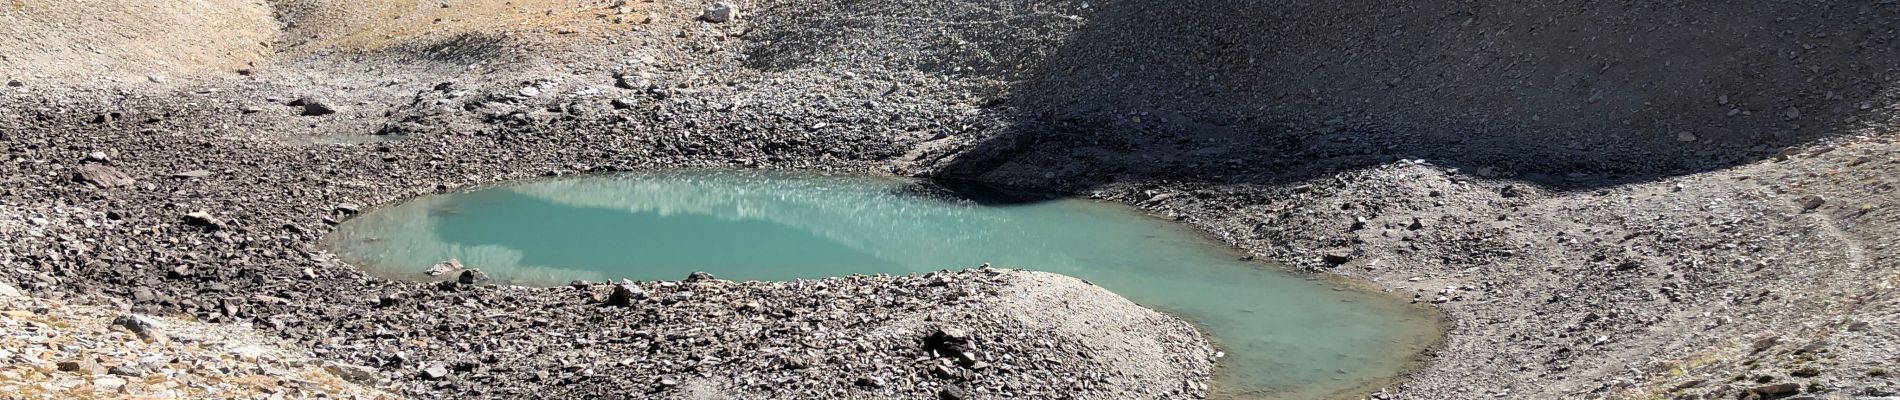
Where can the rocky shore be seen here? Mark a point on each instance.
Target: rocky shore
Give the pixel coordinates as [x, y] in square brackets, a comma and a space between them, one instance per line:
[225, 230]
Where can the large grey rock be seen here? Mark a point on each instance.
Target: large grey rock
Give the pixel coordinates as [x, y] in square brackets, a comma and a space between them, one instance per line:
[353, 373]
[204, 219]
[435, 371]
[101, 175]
[140, 325]
[451, 265]
[472, 276]
[313, 106]
[625, 294]
[719, 12]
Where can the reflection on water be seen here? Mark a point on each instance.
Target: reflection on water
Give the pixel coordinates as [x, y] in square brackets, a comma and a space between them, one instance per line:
[1285, 336]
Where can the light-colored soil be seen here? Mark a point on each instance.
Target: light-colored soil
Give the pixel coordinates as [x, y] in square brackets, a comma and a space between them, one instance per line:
[99, 41]
[55, 350]
[379, 24]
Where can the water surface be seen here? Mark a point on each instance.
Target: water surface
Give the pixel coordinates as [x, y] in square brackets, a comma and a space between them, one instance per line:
[1285, 335]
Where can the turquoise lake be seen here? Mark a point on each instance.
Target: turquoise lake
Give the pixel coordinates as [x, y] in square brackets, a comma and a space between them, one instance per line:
[1285, 335]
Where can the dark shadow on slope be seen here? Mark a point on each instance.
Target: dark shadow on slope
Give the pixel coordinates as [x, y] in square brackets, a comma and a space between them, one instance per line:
[989, 38]
[1569, 96]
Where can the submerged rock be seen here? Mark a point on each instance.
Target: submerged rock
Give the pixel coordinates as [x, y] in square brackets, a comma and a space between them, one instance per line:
[451, 265]
[472, 276]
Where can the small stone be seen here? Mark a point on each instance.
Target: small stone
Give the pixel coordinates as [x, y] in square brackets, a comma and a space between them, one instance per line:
[82, 367]
[1416, 224]
[15, 83]
[698, 276]
[621, 103]
[313, 106]
[529, 91]
[129, 370]
[871, 382]
[353, 373]
[98, 156]
[1776, 389]
[1685, 136]
[1336, 257]
[1812, 201]
[196, 173]
[472, 276]
[102, 176]
[451, 265]
[678, 297]
[109, 383]
[144, 327]
[251, 109]
[719, 12]
[8, 291]
[435, 372]
[204, 220]
[1510, 191]
[155, 78]
[952, 392]
[625, 294]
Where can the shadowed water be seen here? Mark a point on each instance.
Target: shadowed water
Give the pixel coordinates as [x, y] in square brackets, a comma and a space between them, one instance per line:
[1285, 335]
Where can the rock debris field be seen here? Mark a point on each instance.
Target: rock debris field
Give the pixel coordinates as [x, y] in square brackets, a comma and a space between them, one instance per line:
[1684, 201]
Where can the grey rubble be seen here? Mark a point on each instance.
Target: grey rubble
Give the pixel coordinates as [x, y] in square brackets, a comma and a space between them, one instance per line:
[1521, 166]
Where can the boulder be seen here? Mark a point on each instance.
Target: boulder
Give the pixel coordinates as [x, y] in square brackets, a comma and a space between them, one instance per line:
[625, 294]
[451, 265]
[472, 276]
[204, 220]
[313, 106]
[719, 12]
[101, 175]
[146, 328]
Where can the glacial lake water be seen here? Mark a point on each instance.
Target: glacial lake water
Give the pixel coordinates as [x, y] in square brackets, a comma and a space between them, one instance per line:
[1285, 335]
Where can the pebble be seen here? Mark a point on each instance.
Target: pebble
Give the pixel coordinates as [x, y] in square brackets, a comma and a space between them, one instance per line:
[435, 371]
[313, 106]
[1811, 202]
